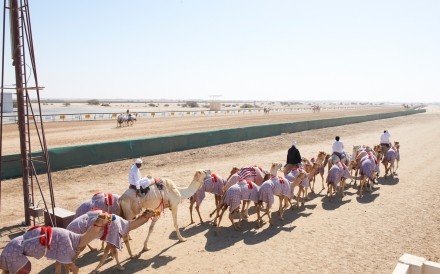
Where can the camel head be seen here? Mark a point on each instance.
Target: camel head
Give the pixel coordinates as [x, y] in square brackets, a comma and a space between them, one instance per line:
[396, 145]
[150, 213]
[201, 174]
[302, 174]
[234, 170]
[103, 219]
[321, 157]
[275, 167]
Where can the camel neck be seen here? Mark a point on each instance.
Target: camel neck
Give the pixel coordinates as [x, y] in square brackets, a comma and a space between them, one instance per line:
[90, 234]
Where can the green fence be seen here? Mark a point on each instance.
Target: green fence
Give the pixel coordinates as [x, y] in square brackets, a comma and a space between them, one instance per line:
[78, 156]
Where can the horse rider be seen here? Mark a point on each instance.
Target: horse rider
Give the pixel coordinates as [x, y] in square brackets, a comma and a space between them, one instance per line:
[293, 159]
[385, 141]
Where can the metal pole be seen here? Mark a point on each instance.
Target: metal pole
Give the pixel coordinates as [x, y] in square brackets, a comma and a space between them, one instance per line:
[17, 57]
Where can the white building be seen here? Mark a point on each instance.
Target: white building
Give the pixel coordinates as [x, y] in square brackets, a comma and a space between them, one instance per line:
[7, 102]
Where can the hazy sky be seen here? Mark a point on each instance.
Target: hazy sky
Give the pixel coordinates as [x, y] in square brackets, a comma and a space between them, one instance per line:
[241, 50]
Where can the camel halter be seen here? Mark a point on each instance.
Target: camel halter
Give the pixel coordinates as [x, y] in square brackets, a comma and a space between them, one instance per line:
[161, 203]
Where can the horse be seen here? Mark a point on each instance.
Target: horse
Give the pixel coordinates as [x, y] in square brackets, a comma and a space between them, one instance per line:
[121, 120]
[130, 119]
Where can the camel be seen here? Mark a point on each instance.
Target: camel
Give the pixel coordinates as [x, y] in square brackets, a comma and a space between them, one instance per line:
[276, 186]
[337, 175]
[243, 190]
[253, 173]
[305, 183]
[116, 230]
[397, 146]
[334, 158]
[54, 243]
[368, 170]
[105, 201]
[389, 161]
[162, 193]
[322, 160]
[212, 184]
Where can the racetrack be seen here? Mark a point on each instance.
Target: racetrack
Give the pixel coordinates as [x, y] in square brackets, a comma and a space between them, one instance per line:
[352, 235]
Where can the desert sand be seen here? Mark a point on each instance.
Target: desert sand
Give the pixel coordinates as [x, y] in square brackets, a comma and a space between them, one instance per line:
[352, 235]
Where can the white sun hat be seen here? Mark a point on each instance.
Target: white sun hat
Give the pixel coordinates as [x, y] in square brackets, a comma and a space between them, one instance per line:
[138, 161]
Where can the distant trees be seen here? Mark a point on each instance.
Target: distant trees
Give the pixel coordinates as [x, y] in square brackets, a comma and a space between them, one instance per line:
[247, 106]
[94, 102]
[191, 104]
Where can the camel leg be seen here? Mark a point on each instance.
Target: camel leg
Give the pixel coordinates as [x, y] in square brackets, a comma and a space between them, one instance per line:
[361, 185]
[223, 209]
[191, 204]
[212, 213]
[176, 227]
[91, 248]
[150, 230]
[103, 258]
[217, 205]
[237, 225]
[125, 238]
[114, 253]
[57, 268]
[198, 212]
[259, 221]
[342, 187]
[245, 209]
[303, 192]
[74, 268]
[267, 212]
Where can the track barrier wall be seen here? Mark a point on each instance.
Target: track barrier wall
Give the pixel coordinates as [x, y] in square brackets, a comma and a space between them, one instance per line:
[62, 158]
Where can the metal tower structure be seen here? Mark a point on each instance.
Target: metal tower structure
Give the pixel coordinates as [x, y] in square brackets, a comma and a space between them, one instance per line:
[29, 115]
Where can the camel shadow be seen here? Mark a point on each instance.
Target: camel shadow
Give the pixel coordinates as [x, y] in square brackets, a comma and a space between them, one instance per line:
[222, 237]
[335, 203]
[389, 180]
[155, 262]
[268, 231]
[193, 229]
[367, 197]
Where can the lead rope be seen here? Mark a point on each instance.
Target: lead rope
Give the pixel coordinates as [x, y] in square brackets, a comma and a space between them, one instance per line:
[156, 181]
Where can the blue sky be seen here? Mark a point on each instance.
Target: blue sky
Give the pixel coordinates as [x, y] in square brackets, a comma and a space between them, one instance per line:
[241, 50]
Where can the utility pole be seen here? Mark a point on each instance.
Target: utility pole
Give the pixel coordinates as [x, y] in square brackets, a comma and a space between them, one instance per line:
[17, 51]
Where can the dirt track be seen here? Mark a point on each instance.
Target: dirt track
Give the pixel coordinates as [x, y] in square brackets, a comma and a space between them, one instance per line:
[352, 235]
[86, 132]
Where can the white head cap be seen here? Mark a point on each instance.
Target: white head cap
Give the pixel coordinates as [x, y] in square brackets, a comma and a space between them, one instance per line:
[138, 161]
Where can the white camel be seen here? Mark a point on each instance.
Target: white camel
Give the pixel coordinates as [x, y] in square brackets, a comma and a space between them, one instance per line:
[212, 184]
[162, 193]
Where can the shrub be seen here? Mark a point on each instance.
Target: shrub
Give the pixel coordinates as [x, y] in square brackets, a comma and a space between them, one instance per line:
[93, 102]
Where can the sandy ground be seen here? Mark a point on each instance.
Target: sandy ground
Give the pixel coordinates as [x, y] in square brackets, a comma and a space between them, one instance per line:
[352, 235]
